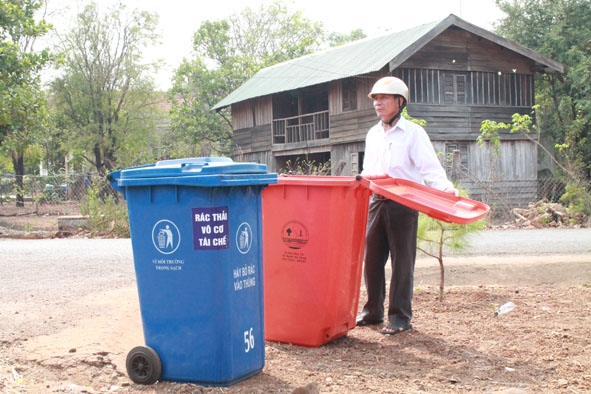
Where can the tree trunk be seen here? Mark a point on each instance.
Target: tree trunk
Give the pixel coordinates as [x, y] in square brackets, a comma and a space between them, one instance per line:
[18, 161]
[441, 277]
[98, 159]
[440, 259]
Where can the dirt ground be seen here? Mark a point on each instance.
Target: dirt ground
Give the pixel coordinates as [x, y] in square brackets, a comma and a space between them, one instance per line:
[457, 345]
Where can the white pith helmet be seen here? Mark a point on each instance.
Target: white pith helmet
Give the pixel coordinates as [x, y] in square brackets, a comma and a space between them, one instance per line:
[389, 85]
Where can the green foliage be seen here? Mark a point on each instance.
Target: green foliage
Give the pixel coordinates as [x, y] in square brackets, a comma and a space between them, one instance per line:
[577, 197]
[34, 153]
[24, 111]
[489, 135]
[306, 167]
[490, 139]
[435, 237]
[19, 29]
[197, 130]
[106, 216]
[559, 30]
[272, 35]
[227, 53]
[105, 100]
[420, 122]
[336, 39]
[6, 165]
[22, 103]
[489, 130]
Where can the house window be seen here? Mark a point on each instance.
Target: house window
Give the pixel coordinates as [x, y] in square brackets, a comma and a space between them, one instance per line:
[349, 95]
[468, 88]
[454, 88]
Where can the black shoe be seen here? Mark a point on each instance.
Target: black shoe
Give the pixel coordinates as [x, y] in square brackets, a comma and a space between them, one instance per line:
[363, 320]
[393, 329]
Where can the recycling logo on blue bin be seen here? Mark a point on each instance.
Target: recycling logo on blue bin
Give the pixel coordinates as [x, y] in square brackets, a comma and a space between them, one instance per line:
[244, 238]
[166, 236]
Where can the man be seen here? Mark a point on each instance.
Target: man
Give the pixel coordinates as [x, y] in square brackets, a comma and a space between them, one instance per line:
[400, 149]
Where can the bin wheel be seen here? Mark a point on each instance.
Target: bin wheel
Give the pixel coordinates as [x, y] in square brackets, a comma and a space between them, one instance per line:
[143, 365]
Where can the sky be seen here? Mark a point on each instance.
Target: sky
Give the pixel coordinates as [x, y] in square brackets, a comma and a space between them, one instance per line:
[179, 19]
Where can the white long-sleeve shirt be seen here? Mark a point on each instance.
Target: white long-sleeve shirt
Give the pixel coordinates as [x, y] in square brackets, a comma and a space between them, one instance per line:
[406, 152]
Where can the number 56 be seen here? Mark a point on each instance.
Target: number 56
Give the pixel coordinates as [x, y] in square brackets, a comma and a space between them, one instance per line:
[248, 340]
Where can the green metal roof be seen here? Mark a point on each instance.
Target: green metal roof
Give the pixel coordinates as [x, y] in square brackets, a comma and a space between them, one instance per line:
[355, 58]
[360, 57]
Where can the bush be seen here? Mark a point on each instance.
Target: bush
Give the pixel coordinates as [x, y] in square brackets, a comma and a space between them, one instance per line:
[578, 199]
[106, 216]
[306, 167]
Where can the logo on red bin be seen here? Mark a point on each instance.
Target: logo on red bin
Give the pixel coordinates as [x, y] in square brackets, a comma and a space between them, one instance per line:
[294, 234]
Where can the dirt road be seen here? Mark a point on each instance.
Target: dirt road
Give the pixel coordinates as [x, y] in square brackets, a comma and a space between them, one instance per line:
[70, 314]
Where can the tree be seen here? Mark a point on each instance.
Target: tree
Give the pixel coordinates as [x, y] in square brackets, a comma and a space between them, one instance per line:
[105, 95]
[22, 103]
[337, 39]
[196, 130]
[561, 31]
[434, 236]
[227, 53]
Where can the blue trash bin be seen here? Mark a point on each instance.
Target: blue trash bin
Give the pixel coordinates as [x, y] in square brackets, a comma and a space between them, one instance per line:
[196, 233]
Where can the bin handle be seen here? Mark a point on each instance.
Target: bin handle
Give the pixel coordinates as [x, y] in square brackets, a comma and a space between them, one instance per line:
[366, 180]
[186, 167]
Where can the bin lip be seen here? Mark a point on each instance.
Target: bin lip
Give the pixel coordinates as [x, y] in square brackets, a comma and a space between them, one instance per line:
[317, 180]
[199, 171]
[192, 167]
[221, 180]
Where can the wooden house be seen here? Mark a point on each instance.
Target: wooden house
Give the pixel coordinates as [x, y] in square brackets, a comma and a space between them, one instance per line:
[316, 107]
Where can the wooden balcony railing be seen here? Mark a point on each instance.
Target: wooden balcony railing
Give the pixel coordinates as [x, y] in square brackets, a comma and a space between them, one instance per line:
[301, 128]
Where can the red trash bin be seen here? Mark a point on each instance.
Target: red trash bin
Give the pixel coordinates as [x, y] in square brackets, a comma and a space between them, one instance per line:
[314, 236]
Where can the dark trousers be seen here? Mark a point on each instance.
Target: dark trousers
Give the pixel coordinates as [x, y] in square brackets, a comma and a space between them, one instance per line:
[391, 232]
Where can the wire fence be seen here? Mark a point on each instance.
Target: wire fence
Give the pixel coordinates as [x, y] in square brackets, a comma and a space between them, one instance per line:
[507, 197]
[61, 194]
[537, 201]
[52, 194]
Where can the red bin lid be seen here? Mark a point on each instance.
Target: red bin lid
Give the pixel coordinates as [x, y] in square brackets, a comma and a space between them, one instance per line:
[432, 202]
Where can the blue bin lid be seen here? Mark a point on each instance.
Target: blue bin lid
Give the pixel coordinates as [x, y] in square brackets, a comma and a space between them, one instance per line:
[197, 171]
[193, 166]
